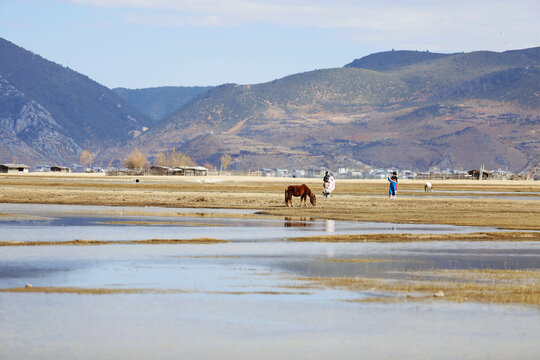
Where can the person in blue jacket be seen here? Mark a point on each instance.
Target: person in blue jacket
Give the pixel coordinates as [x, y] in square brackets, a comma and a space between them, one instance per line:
[392, 191]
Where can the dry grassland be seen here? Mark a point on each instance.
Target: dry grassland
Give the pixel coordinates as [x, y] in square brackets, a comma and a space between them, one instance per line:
[360, 200]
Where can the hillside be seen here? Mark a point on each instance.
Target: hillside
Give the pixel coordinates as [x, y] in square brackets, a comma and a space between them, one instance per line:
[400, 109]
[52, 112]
[159, 102]
[393, 60]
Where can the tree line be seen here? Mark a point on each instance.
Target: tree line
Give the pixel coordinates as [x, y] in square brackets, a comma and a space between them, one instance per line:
[137, 160]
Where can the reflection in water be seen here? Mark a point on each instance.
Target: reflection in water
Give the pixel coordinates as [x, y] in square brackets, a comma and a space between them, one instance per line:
[79, 222]
[298, 222]
[329, 225]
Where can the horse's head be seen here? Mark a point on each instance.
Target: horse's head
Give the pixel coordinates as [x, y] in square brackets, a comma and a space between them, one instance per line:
[312, 198]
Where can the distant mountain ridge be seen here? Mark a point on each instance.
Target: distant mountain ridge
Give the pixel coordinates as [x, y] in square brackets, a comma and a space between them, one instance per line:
[393, 60]
[54, 112]
[397, 109]
[394, 109]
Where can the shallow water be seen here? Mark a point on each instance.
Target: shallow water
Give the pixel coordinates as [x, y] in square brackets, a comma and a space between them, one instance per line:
[242, 300]
[67, 222]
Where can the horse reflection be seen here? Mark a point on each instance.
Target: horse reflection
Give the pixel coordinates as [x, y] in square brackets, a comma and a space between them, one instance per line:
[298, 222]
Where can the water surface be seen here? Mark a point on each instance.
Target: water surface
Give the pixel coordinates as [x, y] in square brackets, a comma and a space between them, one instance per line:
[243, 299]
[71, 222]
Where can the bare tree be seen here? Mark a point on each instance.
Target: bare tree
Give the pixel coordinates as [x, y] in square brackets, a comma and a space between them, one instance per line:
[86, 159]
[226, 160]
[136, 160]
[173, 159]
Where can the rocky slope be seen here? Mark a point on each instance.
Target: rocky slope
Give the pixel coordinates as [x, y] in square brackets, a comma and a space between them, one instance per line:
[49, 113]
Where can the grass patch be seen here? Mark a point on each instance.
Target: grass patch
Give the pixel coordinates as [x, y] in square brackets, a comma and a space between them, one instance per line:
[89, 291]
[407, 237]
[115, 291]
[484, 286]
[80, 242]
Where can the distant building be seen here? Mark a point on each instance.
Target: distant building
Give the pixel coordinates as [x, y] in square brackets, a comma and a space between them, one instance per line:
[13, 168]
[298, 173]
[76, 168]
[63, 169]
[317, 172]
[42, 168]
[195, 170]
[160, 170]
[356, 174]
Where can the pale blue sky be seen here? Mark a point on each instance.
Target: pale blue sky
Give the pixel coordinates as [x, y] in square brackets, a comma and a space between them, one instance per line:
[147, 43]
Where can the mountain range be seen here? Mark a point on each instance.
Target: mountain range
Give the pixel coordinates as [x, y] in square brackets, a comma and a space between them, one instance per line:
[404, 109]
[400, 109]
[50, 113]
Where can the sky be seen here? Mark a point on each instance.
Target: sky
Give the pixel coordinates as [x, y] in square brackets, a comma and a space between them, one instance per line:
[150, 43]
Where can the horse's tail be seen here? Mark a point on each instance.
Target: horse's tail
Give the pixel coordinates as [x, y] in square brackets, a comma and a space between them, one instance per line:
[287, 196]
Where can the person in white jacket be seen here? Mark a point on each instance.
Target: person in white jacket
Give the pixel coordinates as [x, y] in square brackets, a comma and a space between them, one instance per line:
[329, 184]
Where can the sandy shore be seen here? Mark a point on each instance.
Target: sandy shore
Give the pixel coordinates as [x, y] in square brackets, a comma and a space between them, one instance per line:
[362, 200]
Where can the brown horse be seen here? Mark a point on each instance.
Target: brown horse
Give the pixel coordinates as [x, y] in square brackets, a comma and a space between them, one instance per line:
[299, 190]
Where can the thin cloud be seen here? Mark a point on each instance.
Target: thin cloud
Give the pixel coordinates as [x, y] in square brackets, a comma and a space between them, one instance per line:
[389, 15]
[461, 25]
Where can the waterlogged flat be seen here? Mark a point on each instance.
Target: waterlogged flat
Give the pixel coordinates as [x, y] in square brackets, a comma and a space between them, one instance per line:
[245, 299]
[256, 296]
[70, 222]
